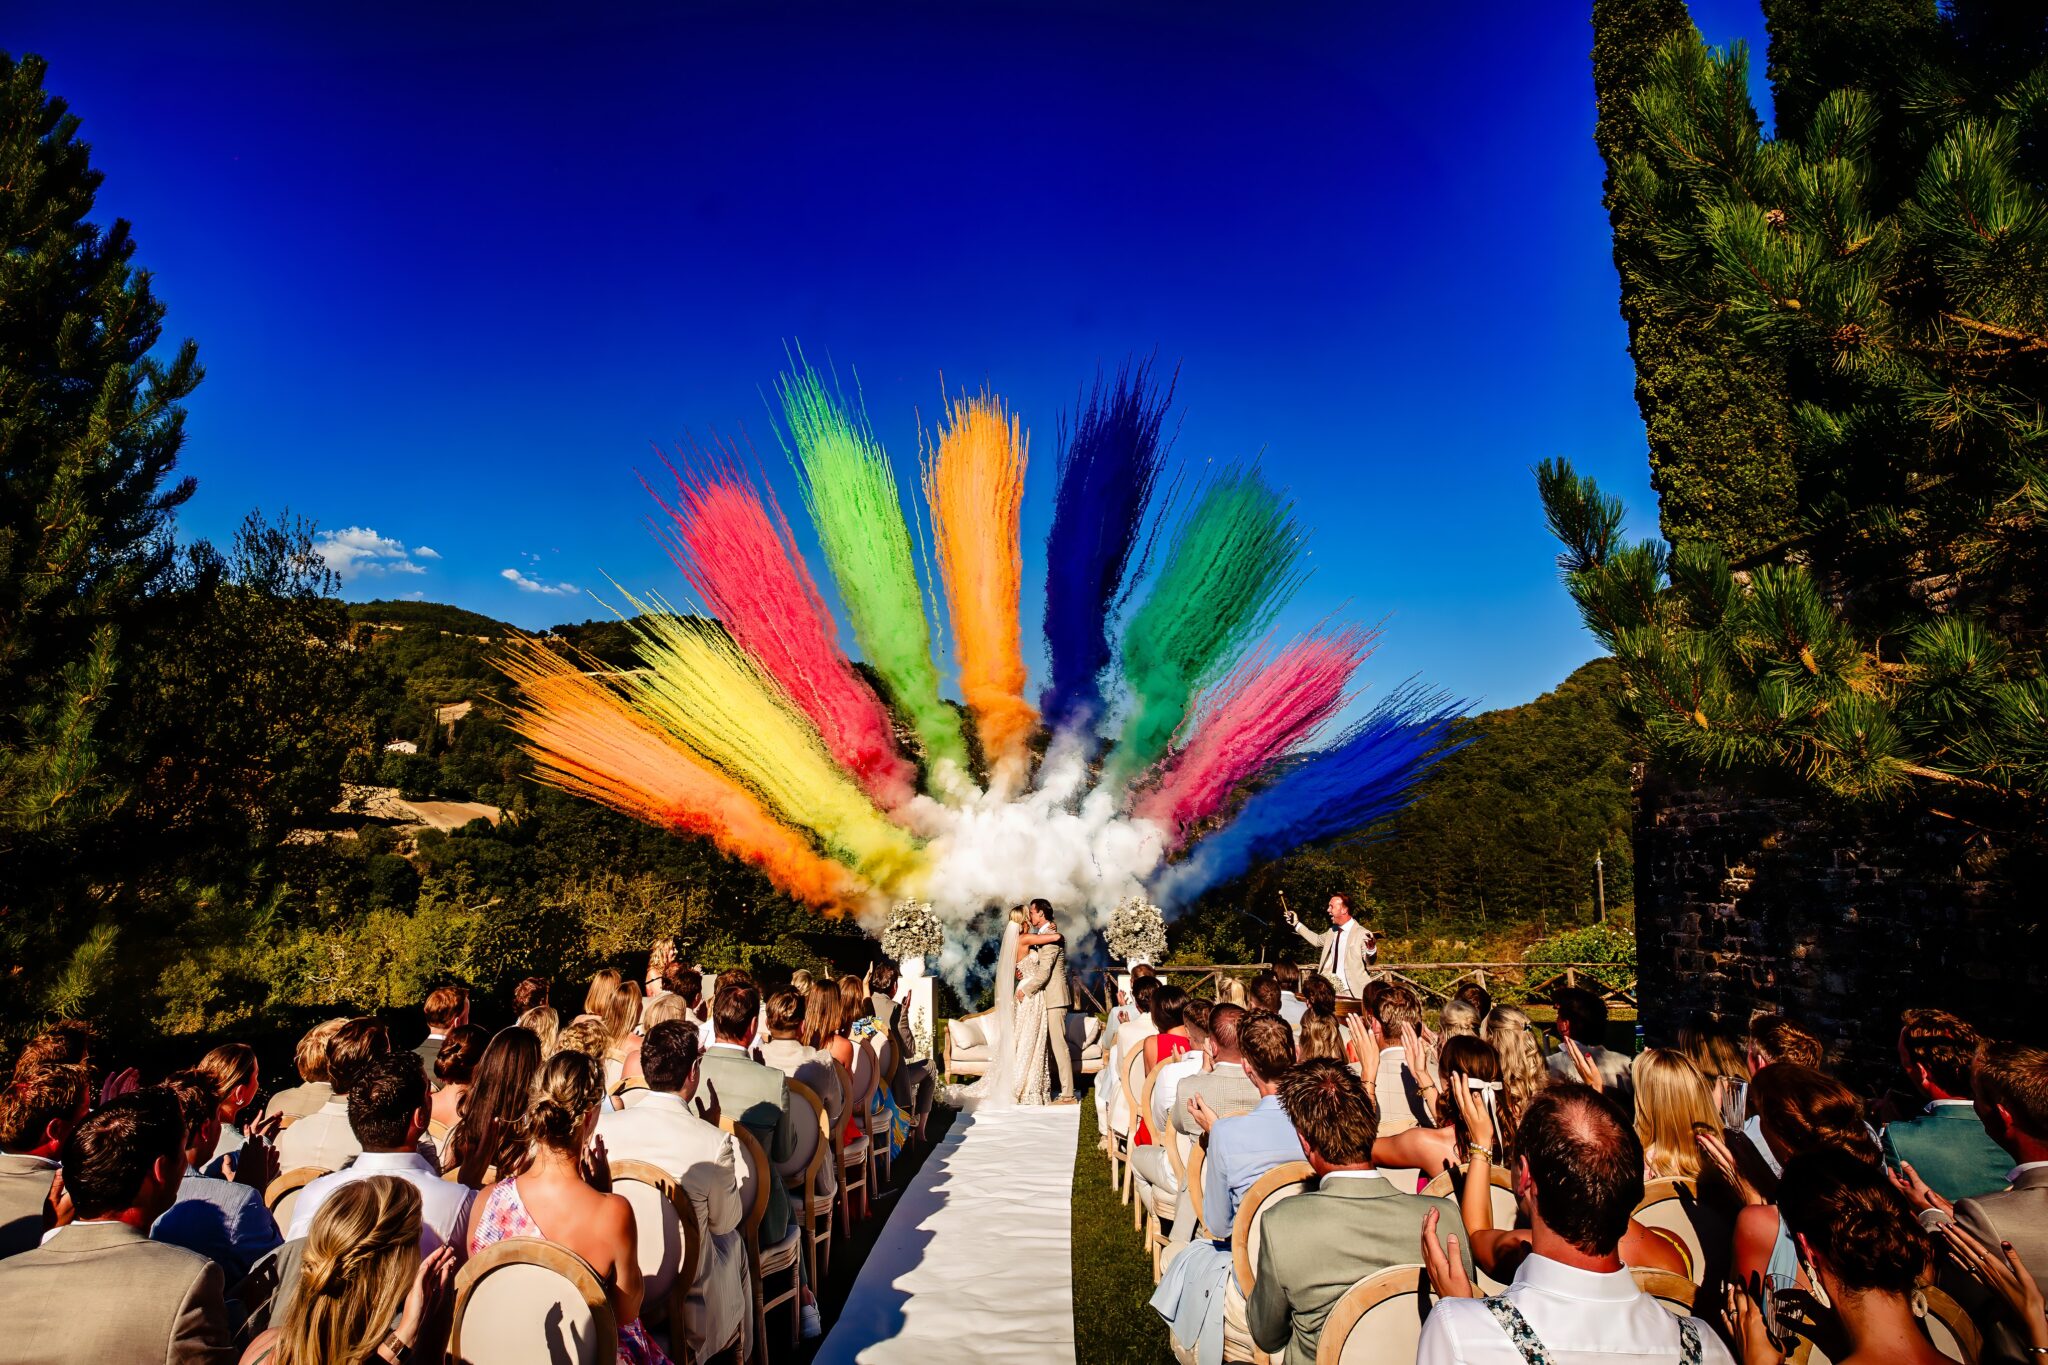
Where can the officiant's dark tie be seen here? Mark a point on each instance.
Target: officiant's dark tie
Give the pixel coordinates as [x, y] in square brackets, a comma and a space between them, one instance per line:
[1330, 952]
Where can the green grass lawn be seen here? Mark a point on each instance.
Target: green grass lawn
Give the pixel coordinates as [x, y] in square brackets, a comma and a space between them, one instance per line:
[1113, 1320]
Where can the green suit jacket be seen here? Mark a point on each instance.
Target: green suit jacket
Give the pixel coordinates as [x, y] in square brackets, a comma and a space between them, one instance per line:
[757, 1097]
[1316, 1245]
[1950, 1150]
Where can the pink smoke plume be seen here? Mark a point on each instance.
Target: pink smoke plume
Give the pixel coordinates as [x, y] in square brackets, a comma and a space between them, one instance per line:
[1256, 714]
[737, 552]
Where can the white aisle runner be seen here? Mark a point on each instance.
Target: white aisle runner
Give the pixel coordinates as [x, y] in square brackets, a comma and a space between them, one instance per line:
[976, 1262]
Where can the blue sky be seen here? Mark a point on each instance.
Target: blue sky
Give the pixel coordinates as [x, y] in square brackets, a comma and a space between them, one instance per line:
[453, 275]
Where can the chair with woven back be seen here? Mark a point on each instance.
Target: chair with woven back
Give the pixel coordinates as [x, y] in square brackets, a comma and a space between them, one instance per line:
[1282, 1181]
[800, 1175]
[853, 1154]
[784, 1257]
[671, 1244]
[1378, 1321]
[528, 1301]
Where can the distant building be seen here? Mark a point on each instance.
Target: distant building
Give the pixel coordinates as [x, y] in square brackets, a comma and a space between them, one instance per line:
[401, 746]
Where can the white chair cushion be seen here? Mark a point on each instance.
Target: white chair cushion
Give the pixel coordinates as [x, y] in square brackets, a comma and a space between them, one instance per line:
[782, 1255]
[962, 1034]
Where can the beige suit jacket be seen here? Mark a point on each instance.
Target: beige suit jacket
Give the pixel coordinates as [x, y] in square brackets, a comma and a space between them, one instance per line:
[24, 1186]
[1059, 991]
[757, 1096]
[104, 1292]
[1225, 1089]
[2018, 1215]
[1357, 960]
[703, 1157]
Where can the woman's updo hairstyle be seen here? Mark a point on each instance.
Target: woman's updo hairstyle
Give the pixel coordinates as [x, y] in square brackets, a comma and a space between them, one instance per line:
[1804, 1110]
[1854, 1220]
[361, 1255]
[566, 1088]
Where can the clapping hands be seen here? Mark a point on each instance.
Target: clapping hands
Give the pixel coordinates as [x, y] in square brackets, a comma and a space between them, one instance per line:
[423, 1322]
[1588, 1071]
[1446, 1267]
[1364, 1046]
[2006, 1275]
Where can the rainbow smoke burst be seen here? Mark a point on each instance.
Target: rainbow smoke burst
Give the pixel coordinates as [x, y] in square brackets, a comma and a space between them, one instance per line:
[1165, 768]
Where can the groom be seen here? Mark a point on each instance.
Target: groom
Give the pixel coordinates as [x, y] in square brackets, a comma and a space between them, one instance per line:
[1059, 998]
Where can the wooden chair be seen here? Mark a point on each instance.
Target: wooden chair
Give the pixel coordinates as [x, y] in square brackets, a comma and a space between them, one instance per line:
[671, 1245]
[1133, 1072]
[1198, 1158]
[762, 1261]
[867, 1077]
[1950, 1328]
[526, 1301]
[1276, 1184]
[800, 1174]
[281, 1196]
[1447, 1184]
[853, 1156]
[1152, 1222]
[1670, 1206]
[1673, 1290]
[1378, 1321]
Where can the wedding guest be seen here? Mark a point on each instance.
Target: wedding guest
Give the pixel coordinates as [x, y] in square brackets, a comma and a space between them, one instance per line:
[1174, 1055]
[585, 1034]
[530, 994]
[1458, 1018]
[704, 1159]
[232, 1070]
[455, 1070]
[1110, 1104]
[487, 1140]
[324, 1138]
[755, 1095]
[1222, 1085]
[1320, 1037]
[66, 1042]
[788, 1053]
[1478, 997]
[1292, 1006]
[800, 982]
[99, 1289]
[1672, 1106]
[223, 1220]
[1169, 1040]
[620, 1017]
[1582, 1019]
[668, 1006]
[313, 1089]
[446, 1007]
[1717, 1054]
[545, 1024]
[1774, 1038]
[603, 986]
[37, 1113]
[552, 1197]
[913, 1085]
[1264, 993]
[1395, 1011]
[1946, 1143]
[1798, 1110]
[1355, 1222]
[690, 986]
[1522, 1071]
[388, 1107]
[1579, 1174]
[364, 1292]
[1858, 1235]
[825, 1024]
[1473, 1065]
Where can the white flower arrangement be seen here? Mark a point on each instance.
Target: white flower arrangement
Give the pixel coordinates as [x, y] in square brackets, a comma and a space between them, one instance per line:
[913, 931]
[1137, 931]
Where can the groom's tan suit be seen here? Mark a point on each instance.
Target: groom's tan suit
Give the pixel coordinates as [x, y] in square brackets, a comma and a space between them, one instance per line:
[1059, 998]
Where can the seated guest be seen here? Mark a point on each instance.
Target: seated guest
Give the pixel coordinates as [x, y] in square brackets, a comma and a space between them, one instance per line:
[67, 1042]
[585, 1034]
[354, 1296]
[223, 1220]
[99, 1289]
[1353, 1224]
[1579, 1174]
[1469, 1064]
[620, 1018]
[1320, 1038]
[1673, 1106]
[756, 1096]
[1222, 1083]
[689, 984]
[552, 1197]
[1264, 993]
[545, 1024]
[1859, 1236]
[1169, 1040]
[36, 1114]
[313, 1089]
[235, 1076]
[1798, 1110]
[1717, 1054]
[800, 982]
[1774, 1038]
[1292, 1005]
[1392, 1012]
[1582, 1019]
[1946, 1143]
[488, 1138]
[1149, 1159]
[323, 1138]
[787, 1052]
[1478, 998]
[454, 1071]
[1523, 1073]
[1194, 1290]
[530, 994]
[446, 1007]
[1130, 1035]
[662, 1130]
[912, 1085]
[603, 986]
[825, 1024]
[388, 1108]
[1457, 1019]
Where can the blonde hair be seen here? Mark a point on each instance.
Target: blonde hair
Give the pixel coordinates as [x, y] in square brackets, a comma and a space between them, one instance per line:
[1458, 1017]
[585, 1035]
[1017, 915]
[1522, 1073]
[662, 1009]
[824, 1014]
[566, 1091]
[544, 1024]
[1672, 1101]
[1320, 1037]
[361, 1256]
[230, 1067]
[621, 1015]
[311, 1055]
[603, 987]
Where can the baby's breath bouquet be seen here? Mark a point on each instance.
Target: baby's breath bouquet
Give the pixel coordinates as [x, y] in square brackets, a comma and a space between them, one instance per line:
[913, 931]
[1137, 931]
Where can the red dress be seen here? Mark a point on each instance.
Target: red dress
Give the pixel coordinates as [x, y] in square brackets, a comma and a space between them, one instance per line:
[1170, 1045]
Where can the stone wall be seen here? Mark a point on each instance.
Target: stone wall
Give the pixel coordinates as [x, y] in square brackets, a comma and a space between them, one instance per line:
[1839, 921]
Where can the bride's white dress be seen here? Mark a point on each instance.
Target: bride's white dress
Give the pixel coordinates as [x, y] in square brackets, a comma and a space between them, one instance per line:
[1017, 1040]
[1029, 1081]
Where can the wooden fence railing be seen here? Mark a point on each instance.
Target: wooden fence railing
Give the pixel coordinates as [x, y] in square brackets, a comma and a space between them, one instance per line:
[1435, 982]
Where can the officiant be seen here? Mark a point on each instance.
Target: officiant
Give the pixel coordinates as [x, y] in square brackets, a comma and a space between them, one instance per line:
[1347, 949]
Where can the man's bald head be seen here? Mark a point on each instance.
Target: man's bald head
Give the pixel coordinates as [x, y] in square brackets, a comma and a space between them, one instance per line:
[1586, 1166]
[1223, 1022]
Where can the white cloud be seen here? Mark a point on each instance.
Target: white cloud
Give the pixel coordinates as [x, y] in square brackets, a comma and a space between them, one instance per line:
[525, 584]
[359, 552]
[417, 596]
[426, 552]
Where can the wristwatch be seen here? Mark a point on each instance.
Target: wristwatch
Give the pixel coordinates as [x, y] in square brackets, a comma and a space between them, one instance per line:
[395, 1350]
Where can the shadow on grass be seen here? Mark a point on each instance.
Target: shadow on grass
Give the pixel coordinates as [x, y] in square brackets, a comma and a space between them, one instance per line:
[1113, 1319]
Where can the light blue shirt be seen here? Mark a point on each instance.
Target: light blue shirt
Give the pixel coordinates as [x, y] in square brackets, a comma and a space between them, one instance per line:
[1242, 1149]
[222, 1221]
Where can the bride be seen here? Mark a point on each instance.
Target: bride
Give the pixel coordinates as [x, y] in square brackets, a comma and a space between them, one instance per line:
[1016, 1025]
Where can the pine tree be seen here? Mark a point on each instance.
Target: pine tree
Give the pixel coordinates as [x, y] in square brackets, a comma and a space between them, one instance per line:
[1888, 251]
[89, 433]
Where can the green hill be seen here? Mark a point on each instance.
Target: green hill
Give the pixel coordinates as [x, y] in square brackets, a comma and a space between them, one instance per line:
[428, 616]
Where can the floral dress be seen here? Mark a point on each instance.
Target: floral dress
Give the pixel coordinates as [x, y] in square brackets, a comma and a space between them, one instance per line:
[897, 1128]
[505, 1216]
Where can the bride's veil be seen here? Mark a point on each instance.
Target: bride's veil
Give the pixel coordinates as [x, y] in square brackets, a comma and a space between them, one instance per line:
[994, 1089]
